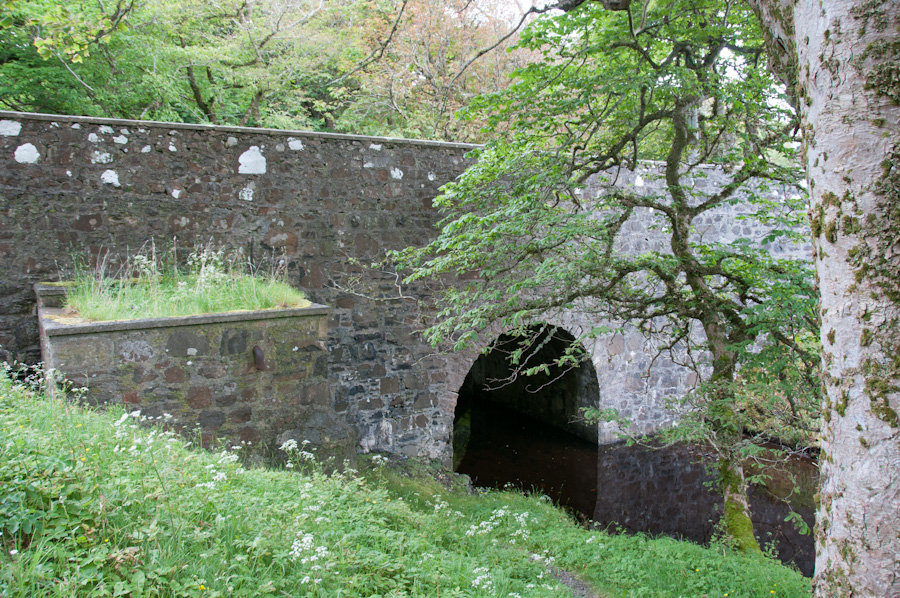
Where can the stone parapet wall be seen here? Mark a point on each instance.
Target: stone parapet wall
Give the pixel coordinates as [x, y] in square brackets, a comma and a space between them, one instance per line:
[326, 204]
[242, 377]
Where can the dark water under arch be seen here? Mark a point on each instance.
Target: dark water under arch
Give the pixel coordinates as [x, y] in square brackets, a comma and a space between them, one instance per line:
[622, 488]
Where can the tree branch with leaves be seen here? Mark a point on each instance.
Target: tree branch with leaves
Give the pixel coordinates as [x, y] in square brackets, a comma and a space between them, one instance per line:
[605, 96]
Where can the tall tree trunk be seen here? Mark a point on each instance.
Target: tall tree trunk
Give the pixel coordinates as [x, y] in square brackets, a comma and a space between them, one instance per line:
[732, 481]
[738, 524]
[849, 88]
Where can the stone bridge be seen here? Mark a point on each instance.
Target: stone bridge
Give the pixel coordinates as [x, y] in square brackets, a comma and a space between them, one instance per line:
[329, 205]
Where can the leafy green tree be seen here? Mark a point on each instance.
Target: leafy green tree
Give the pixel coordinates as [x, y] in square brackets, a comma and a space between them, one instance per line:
[268, 63]
[384, 67]
[682, 82]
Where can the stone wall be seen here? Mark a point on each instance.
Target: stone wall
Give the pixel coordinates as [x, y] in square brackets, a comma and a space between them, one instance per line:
[330, 206]
[254, 378]
[327, 204]
[670, 491]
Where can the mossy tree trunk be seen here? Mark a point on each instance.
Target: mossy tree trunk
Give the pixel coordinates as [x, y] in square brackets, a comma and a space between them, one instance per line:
[726, 438]
[843, 58]
[738, 525]
[850, 89]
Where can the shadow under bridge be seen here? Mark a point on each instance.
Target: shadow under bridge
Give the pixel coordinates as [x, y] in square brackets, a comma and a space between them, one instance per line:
[528, 430]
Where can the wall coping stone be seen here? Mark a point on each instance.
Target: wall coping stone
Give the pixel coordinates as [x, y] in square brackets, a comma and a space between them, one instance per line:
[54, 328]
[10, 115]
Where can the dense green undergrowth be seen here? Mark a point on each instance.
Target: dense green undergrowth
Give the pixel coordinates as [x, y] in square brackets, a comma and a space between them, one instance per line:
[101, 504]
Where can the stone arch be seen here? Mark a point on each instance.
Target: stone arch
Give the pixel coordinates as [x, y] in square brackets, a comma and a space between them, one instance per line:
[631, 377]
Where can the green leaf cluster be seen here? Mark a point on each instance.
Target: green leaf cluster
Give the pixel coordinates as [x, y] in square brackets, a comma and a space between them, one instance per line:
[268, 63]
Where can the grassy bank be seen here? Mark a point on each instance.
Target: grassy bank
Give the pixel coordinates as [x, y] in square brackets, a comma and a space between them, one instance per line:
[97, 504]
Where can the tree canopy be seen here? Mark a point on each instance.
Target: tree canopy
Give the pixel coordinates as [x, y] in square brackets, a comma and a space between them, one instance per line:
[683, 83]
[384, 67]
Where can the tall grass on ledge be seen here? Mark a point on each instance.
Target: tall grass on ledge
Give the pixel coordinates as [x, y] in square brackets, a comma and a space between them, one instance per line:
[101, 504]
[152, 285]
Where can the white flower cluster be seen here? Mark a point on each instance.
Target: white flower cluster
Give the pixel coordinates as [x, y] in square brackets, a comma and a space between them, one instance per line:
[483, 579]
[144, 266]
[208, 265]
[291, 447]
[141, 444]
[305, 488]
[496, 518]
[304, 549]
[544, 559]
[225, 459]
[440, 505]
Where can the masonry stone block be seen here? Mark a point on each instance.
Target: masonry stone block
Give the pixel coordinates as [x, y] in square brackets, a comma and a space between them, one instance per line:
[186, 343]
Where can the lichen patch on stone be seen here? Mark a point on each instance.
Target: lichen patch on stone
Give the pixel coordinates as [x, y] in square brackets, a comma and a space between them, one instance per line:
[252, 161]
[98, 157]
[110, 177]
[10, 128]
[27, 154]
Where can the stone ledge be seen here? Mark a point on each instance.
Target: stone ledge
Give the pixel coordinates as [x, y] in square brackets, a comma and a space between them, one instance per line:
[121, 122]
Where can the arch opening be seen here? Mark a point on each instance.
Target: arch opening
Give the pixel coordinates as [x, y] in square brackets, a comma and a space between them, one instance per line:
[528, 430]
[555, 396]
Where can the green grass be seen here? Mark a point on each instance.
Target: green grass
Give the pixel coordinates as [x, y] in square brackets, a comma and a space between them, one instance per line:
[155, 287]
[100, 504]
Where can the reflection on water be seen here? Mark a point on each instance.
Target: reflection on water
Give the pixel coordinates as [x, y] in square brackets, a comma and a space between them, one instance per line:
[632, 489]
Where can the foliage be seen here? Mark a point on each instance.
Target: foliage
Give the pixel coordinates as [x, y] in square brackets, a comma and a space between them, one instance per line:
[427, 73]
[66, 30]
[264, 63]
[121, 507]
[148, 285]
[681, 82]
[383, 67]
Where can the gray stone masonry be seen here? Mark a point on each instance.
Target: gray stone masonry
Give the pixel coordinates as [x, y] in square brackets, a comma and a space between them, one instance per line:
[328, 205]
[201, 371]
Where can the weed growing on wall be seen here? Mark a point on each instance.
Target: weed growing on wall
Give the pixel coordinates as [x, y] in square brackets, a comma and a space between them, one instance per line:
[149, 284]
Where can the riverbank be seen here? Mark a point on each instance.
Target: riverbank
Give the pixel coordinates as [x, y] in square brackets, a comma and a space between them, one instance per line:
[109, 504]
